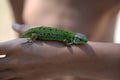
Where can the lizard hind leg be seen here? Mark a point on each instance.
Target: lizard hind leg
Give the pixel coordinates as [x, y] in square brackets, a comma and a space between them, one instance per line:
[29, 40]
[34, 36]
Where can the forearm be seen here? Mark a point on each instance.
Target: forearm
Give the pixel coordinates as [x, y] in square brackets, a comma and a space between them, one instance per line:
[93, 60]
[50, 59]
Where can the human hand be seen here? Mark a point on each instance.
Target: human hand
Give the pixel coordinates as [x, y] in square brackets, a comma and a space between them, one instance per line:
[43, 59]
[29, 61]
[26, 59]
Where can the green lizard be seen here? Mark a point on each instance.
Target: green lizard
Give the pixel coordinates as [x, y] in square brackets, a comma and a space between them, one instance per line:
[49, 33]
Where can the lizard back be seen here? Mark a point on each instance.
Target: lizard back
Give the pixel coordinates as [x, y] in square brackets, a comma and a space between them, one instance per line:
[49, 33]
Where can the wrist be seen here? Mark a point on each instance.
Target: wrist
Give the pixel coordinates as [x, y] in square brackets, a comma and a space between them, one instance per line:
[85, 60]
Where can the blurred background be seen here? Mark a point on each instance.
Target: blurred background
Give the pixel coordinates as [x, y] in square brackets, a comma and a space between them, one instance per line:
[7, 19]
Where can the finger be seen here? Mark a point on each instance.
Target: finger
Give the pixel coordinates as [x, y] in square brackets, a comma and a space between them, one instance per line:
[10, 46]
[4, 63]
[7, 74]
[20, 28]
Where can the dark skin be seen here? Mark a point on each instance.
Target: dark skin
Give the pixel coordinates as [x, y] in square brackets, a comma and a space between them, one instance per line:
[34, 62]
[47, 59]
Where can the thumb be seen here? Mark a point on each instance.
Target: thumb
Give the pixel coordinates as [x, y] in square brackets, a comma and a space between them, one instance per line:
[9, 46]
[20, 28]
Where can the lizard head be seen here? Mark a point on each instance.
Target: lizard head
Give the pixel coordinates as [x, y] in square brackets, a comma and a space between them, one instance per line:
[80, 39]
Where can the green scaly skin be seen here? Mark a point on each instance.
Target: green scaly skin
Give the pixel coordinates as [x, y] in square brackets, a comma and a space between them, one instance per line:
[49, 33]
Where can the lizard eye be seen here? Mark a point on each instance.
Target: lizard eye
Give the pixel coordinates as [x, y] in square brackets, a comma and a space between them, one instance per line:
[77, 40]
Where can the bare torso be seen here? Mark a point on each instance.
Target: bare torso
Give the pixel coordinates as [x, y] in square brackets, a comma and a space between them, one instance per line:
[94, 18]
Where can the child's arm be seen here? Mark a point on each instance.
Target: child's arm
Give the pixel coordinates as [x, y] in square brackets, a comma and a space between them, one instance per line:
[51, 59]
